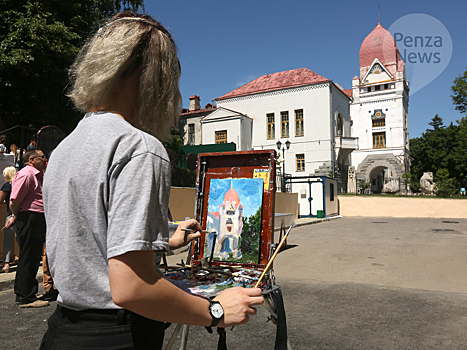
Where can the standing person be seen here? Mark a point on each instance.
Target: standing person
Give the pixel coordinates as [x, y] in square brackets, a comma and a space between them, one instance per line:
[28, 214]
[32, 145]
[104, 225]
[9, 233]
[14, 150]
[3, 147]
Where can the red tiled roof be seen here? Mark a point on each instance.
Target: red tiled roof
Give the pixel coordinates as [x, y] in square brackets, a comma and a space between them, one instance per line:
[196, 111]
[348, 92]
[277, 81]
[378, 44]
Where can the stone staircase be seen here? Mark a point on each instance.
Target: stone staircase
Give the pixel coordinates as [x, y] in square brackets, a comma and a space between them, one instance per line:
[324, 170]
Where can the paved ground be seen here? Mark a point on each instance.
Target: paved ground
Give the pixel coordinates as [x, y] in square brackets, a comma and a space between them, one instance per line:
[350, 283]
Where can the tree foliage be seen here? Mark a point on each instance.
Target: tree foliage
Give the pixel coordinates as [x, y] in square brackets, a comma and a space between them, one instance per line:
[250, 238]
[38, 42]
[441, 150]
[459, 96]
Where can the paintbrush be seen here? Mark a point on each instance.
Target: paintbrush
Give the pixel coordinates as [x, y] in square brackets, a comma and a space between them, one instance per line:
[271, 260]
[192, 230]
[273, 256]
[212, 249]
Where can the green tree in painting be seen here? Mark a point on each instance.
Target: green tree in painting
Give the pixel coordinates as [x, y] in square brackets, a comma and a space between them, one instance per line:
[249, 242]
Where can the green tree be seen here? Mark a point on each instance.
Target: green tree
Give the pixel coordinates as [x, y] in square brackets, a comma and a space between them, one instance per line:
[411, 181]
[459, 96]
[445, 185]
[181, 176]
[442, 147]
[364, 185]
[38, 42]
[436, 123]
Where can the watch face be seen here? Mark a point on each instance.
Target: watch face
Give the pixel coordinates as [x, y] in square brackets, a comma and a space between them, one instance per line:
[217, 311]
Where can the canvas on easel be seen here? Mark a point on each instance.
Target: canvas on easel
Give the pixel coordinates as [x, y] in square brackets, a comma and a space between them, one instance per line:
[234, 219]
[235, 203]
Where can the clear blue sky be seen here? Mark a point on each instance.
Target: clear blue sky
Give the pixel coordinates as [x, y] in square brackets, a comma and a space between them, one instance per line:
[225, 44]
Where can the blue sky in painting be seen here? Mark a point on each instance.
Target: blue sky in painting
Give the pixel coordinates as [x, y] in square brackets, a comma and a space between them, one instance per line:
[250, 192]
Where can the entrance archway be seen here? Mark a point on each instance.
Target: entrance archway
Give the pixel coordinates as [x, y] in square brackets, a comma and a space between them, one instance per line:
[378, 175]
[377, 169]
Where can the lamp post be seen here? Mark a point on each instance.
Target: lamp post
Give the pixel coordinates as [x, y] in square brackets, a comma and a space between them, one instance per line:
[279, 146]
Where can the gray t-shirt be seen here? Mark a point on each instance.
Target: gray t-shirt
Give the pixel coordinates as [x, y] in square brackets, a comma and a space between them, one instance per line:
[106, 192]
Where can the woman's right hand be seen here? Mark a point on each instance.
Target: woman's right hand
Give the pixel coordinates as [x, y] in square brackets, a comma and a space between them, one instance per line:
[238, 305]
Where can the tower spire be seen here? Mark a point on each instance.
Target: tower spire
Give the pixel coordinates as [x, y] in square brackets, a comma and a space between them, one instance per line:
[379, 14]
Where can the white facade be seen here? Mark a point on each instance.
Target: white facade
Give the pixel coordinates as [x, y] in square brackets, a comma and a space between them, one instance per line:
[379, 112]
[321, 105]
[238, 127]
[192, 133]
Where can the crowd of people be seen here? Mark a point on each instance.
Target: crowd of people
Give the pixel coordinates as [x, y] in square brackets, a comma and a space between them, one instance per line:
[22, 193]
[9, 172]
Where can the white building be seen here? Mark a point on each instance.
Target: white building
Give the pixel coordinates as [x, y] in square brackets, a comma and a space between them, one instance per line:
[379, 112]
[328, 128]
[299, 106]
[190, 121]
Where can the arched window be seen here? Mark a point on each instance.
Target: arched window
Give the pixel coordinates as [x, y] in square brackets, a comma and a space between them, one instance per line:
[340, 125]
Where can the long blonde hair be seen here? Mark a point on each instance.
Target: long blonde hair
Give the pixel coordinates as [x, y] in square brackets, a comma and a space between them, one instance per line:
[130, 43]
[9, 173]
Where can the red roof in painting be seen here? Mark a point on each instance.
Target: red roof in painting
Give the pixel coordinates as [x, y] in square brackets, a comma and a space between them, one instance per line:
[277, 81]
[232, 196]
[379, 43]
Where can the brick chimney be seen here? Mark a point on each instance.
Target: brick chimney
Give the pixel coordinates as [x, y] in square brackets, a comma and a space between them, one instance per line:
[194, 103]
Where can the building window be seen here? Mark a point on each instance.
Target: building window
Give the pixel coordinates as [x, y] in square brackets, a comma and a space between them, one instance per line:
[191, 134]
[271, 126]
[379, 140]
[221, 136]
[377, 123]
[285, 124]
[300, 161]
[331, 192]
[340, 125]
[299, 122]
[377, 87]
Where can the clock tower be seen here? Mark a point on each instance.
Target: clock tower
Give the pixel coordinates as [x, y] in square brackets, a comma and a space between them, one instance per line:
[379, 113]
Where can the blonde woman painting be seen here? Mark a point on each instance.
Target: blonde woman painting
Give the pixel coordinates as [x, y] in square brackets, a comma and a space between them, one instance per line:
[104, 226]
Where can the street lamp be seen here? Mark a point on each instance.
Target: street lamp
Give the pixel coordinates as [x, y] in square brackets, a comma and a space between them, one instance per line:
[279, 146]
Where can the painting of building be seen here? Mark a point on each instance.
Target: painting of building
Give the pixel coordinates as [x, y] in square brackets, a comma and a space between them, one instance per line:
[230, 202]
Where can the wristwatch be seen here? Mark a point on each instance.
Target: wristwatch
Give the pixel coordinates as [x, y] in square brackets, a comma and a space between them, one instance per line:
[216, 311]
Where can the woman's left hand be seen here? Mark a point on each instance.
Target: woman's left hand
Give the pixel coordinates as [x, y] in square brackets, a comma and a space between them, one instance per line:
[181, 238]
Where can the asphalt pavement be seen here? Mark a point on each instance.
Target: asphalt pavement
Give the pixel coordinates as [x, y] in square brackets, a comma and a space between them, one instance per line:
[349, 283]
